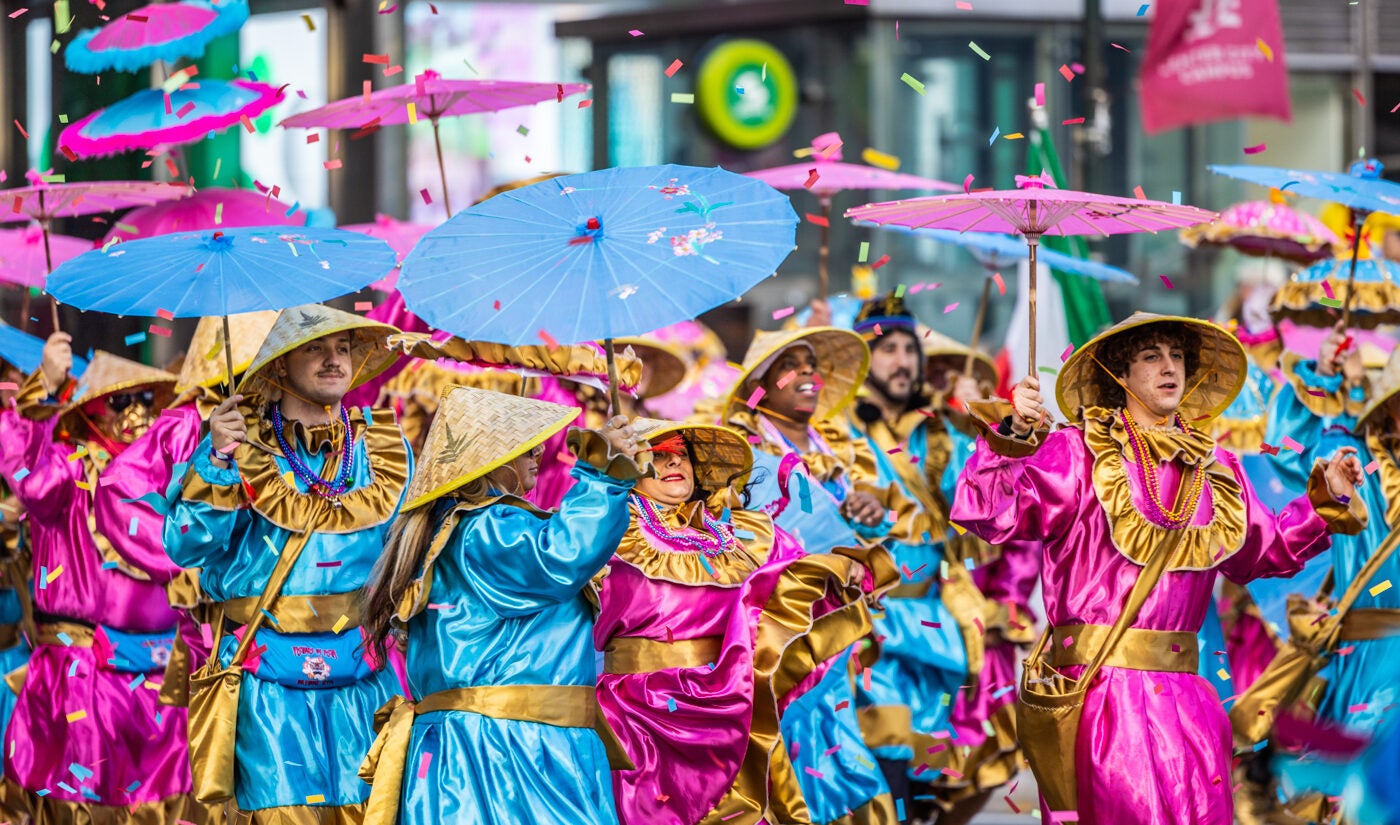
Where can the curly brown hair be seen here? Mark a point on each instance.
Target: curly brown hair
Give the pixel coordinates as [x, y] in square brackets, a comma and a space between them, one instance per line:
[1118, 353]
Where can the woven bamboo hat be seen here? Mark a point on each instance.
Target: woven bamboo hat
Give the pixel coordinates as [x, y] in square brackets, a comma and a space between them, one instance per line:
[299, 325]
[1386, 387]
[943, 354]
[843, 359]
[108, 374]
[721, 457]
[1217, 380]
[476, 431]
[666, 367]
[205, 365]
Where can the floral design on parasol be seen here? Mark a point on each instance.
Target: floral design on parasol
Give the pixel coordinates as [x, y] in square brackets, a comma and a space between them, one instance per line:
[1312, 296]
[150, 118]
[401, 236]
[825, 175]
[159, 32]
[214, 208]
[1036, 208]
[430, 97]
[1267, 229]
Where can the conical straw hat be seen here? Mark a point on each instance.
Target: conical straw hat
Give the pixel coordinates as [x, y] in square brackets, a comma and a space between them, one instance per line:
[1216, 382]
[476, 431]
[299, 325]
[722, 458]
[108, 373]
[842, 359]
[942, 353]
[205, 365]
[666, 367]
[1385, 388]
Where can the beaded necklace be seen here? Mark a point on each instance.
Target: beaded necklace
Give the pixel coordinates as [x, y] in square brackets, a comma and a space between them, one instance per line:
[713, 540]
[331, 490]
[1147, 461]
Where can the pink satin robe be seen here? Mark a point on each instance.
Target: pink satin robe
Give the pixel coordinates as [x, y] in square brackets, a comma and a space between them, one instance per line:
[1153, 747]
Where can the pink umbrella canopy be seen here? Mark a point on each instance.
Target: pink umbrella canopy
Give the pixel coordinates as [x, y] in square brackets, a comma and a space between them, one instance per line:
[206, 209]
[1033, 210]
[400, 235]
[22, 258]
[430, 97]
[1267, 229]
[825, 175]
[45, 201]
[161, 31]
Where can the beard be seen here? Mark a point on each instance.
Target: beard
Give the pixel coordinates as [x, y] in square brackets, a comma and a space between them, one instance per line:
[883, 388]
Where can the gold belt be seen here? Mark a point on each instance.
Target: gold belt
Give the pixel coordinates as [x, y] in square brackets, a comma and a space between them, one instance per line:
[634, 654]
[77, 635]
[565, 706]
[1166, 651]
[300, 614]
[1368, 624]
[910, 590]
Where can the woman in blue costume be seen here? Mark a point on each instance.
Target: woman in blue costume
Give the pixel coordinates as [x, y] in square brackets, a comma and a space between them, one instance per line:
[821, 486]
[1325, 408]
[490, 593]
[289, 462]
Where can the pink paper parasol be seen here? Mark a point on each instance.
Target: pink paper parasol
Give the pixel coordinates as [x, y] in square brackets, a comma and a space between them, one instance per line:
[151, 118]
[23, 260]
[430, 96]
[158, 32]
[206, 209]
[398, 234]
[43, 202]
[1033, 210]
[825, 175]
[1267, 229]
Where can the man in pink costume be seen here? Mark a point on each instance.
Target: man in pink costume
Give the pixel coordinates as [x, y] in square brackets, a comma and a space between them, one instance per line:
[88, 740]
[1103, 494]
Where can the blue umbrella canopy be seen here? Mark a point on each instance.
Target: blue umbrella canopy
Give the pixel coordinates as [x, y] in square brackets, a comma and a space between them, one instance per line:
[25, 351]
[1362, 188]
[194, 274]
[998, 250]
[605, 254]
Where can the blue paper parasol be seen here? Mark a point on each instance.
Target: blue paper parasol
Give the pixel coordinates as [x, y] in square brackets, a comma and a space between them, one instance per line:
[195, 274]
[25, 351]
[606, 254]
[161, 31]
[1362, 190]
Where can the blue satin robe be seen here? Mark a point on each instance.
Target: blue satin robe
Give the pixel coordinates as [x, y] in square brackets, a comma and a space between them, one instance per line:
[922, 660]
[293, 745]
[1368, 677]
[506, 608]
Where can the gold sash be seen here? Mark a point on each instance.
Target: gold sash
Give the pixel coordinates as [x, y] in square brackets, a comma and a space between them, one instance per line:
[1367, 624]
[564, 706]
[634, 654]
[79, 635]
[300, 614]
[1166, 651]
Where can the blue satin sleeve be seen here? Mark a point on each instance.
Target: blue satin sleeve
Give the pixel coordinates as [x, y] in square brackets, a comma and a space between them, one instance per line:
[519, 564]
[1290, 417]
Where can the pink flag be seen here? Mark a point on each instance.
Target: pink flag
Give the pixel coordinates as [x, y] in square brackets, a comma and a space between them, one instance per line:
[1213, 60]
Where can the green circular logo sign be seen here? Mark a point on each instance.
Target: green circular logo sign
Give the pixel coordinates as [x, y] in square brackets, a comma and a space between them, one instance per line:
[746, 91]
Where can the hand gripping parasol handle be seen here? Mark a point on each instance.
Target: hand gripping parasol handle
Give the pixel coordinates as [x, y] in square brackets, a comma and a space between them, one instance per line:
[228, 357]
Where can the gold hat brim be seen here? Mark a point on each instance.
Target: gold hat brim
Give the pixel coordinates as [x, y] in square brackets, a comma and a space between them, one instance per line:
[722, 457]
[843, 360]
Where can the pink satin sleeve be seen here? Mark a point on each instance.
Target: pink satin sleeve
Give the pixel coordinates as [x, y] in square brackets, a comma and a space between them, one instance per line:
[1001, 499]
[46, 487]
[1275, 546]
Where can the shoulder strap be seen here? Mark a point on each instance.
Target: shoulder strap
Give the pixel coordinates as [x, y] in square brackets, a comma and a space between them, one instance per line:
[1147, 579]
[1368, 572]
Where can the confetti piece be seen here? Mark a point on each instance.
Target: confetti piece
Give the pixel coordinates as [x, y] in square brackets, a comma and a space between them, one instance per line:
[972, 44]
[328, 564]
[21, 474]
[135, 338]
[678, 97]
[1066, 72]
[754, 398]
[1223, 674]
[1372, 467]
[1331, 302]
[1142, 10]
[380, 59]
[996, 132]
[636, 32]
[817, 220]
[412, 112]
[1074, 121]
[428, 199]
[812, 178]
[1166, 281]
[423, 763]
[1013, 136]
[340, 624]
[1264, 49]
[881, 261]
[17, 13]
[332, 164]
[779, 314]
[927, 623]
[1254, 150]
[1360, 98]
[1292, 445]
[77, 716]
[1069, 640]
[1001, 285]
[133, 526]
[315, 799]
[8, 385]
[912, 83]
[310, 24]
[813, 772]
[1357, 708]
[1380, 588]
[949, 308]
[161, 331]
[1124, 48]
[1040, 95]
[671, 705]
[364, 306]
[58, 571]
[787, 378]
[967, 185]
[548, 339]
[1064, 356]
[584, 104]
[864, 251]
[673, 68]
[884, 160]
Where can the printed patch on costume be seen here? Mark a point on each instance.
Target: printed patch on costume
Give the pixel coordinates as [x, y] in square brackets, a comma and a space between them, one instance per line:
[132, 652]
[311, 661]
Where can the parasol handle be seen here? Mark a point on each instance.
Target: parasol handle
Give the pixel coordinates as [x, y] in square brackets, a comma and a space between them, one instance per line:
[977, 324]
[1356, 227]
[442, 169]
[824, 254]
[228, 356]
[613, 397]
[1032, 241]
[48, 267]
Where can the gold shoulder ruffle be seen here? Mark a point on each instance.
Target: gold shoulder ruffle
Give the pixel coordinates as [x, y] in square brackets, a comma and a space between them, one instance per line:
[579, 359]
[1203, 546]
[281, 503]
[729, 569]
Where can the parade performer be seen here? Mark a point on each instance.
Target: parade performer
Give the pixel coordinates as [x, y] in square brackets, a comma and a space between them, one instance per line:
[1325, 408]
[488, 592]
[16, 600]
[1133, 486]
[821, 486]
[677, 625]
[88, 740]
[922, 443]
[285, 508]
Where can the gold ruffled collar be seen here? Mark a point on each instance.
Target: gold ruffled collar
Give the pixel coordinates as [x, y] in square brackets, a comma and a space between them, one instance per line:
[730, 569]
[1203, 546]
[824, 467]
